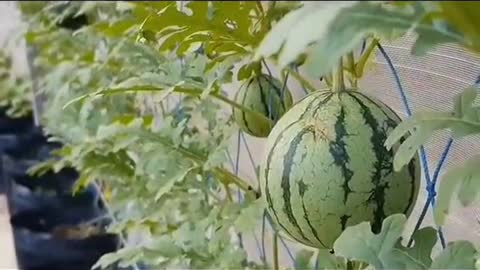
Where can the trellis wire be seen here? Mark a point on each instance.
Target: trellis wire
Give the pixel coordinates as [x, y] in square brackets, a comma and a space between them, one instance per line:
[431, 183]
[262, 249]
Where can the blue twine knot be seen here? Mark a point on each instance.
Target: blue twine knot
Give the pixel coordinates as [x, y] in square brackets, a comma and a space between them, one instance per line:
[431, 190]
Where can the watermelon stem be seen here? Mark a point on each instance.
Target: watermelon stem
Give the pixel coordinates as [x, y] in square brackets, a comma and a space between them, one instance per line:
[350, 265]
[228, 192]
[275, 251]
[223, 175]
[338, 82]
[360, 65]
[328, 79]
[310, 88]
[351, 70]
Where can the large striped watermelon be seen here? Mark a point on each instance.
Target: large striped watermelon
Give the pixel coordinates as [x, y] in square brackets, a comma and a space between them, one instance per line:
[265, 95]
[326, 167]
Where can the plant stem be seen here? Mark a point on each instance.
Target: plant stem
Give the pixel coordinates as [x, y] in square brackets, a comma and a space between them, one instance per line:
[302, 80]
[275, 251]
[189, 91]
[360, 65]
[349, 265]
[338, 82]
[351, 69]
[328, 79]
[224, 176]
[228, 192]
[260, 7]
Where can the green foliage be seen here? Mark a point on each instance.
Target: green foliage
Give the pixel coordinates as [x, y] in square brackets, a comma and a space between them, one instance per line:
[340, 28]
[136, 98]
[462, 121]
[385, 251]
[110, 100]
[15, 92]
[466, 180]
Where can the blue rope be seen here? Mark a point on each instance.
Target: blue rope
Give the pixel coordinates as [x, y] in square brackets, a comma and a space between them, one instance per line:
[443, 158]
[431, 183]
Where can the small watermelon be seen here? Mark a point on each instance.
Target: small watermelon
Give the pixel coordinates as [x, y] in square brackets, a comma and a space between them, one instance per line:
[326, 168]
[265, 95]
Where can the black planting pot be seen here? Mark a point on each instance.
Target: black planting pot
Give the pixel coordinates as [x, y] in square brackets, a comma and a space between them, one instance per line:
[15, 125]
[16, 168]
[61, 208]
[37, 248]
[37, 251]
[48, 190]
[8, 141]
[61, 182]
[33, 145]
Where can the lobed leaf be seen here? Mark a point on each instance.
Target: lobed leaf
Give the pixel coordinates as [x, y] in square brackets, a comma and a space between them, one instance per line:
[465, 180]
[383, 250]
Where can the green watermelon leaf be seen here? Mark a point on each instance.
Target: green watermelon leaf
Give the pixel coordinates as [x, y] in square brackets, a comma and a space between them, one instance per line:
[326, 260]
[169, 183]
[339, 29]
[294, 32]
[350, 27]
[462, 121]
[457, 255]
[274, 40]
[424, 239]
[462, 16]
[465, 180]
[383, 250]
[214, 23]
[303, 259]
[250, 216]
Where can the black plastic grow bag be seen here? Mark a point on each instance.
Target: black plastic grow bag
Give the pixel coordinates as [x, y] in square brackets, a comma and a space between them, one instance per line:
[37, 248]
[37, 251]
[70, 207]
[61, 182]
[15, 125]
[32, 145]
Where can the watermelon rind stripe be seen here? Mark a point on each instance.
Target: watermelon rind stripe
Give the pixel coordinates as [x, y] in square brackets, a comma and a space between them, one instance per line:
[267, 191]
[285, 184]
[381, 153]
[263, 99]
[338, 150]
[244, 117]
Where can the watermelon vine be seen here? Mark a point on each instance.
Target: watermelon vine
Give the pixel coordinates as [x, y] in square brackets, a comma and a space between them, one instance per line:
[136, 93]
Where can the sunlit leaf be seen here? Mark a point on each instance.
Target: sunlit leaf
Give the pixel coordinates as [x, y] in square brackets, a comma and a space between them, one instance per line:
[465, 180]
[383, 250]
[457, 255]
[250, 217]
[462, 121]
[303, 258]
[326, 260]
[462, 16]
